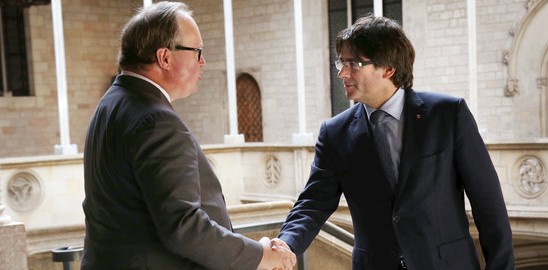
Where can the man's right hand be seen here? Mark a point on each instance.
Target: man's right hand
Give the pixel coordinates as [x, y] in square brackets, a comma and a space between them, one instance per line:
[276, 257]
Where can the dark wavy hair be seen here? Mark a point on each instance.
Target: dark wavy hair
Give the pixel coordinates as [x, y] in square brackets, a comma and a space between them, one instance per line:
[383, 41]
[153, 27]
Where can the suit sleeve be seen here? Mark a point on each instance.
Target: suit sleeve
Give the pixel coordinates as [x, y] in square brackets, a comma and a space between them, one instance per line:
[166, 169]
[483, 190]
[319, 199]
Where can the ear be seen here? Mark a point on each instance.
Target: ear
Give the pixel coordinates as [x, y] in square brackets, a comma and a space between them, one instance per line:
[389, 72]
[163, 58]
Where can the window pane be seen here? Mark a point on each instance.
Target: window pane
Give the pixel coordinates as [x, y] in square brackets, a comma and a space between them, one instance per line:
[361, 8]
[338, 21]
[15, 50]
[393, 10]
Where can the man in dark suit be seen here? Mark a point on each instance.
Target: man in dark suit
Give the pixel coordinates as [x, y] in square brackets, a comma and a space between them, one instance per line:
[152, 199]
[406, 195]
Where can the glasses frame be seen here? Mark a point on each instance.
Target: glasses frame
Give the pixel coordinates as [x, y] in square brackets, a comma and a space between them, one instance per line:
[184, 48]
[354, 65]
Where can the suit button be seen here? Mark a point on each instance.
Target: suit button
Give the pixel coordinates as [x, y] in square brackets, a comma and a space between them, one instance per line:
[395, 219]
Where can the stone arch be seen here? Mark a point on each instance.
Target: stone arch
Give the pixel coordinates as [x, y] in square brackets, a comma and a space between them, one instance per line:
[519, 41]
[524, 62]
[250, 117]
[529, 239]
[542, 82]
[530, 248]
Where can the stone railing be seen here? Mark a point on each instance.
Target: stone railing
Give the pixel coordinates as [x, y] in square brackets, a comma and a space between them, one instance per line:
[43, 191]
[332, 248]
[46, 192]
[256, 172]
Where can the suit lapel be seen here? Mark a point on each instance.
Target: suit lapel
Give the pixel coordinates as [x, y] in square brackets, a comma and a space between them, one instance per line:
[359, 127]
[415, 116]
[364, 154]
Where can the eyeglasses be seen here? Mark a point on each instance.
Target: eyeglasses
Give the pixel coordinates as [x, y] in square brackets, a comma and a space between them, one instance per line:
[183, 48]
[351, 64]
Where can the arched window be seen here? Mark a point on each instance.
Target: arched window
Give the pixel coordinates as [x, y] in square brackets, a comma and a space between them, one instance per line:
[250, 116]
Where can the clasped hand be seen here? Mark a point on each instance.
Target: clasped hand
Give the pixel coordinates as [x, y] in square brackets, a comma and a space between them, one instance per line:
[276, 255]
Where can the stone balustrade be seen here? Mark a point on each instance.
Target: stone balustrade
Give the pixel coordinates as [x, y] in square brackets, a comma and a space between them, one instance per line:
[45, 193]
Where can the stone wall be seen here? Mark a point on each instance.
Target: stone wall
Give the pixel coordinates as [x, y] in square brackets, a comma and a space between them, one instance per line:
[509, 36]
[264, 47]
[510, 56]
[30, 125]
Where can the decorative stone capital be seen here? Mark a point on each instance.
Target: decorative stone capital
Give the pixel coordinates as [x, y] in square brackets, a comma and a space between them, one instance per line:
[542, 83]
[506, 57]
[511, 88]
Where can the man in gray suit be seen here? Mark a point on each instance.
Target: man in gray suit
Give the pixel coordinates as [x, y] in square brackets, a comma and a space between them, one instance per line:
[152, 199]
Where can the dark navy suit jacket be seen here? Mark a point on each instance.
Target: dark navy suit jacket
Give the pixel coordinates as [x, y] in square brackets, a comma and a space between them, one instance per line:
[152, 199]
[423, 218]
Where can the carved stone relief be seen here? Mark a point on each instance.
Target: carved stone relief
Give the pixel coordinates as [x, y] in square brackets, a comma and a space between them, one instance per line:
[24, 192]
[511, 88]
[273, 171]
[530, 181]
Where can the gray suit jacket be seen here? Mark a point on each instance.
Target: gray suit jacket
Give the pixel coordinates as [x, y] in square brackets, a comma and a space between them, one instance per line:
[152, 199]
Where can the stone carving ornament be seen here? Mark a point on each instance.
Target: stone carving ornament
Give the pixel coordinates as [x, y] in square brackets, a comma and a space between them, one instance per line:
[530, 182]
[273, 171]
[24, 192]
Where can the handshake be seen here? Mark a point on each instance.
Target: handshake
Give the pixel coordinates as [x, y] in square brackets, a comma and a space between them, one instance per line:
[276, 255]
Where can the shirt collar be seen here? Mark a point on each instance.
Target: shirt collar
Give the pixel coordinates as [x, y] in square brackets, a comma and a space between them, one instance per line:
[393, 106]
[133, 74]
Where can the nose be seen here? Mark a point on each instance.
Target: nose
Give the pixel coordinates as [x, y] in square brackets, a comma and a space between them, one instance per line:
[202, 61]
[344, 72]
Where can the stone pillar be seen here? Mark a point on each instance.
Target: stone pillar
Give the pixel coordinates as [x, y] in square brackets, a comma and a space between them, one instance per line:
[65, 147]
[234, 137]
[13, 244]
[4, 218]
[302, 137]
[13, 247]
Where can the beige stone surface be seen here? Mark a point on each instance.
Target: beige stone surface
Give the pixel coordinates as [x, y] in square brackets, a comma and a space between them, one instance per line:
[13, 247]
